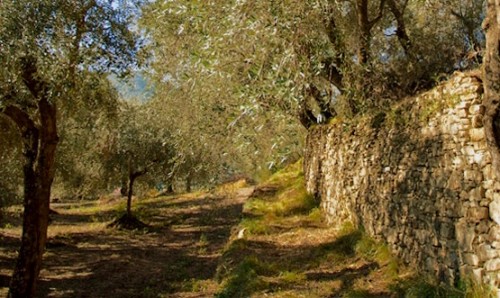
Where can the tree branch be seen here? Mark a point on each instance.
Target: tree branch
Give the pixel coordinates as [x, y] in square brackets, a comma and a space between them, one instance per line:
[29, 75]
[379, 16]
[20, 118]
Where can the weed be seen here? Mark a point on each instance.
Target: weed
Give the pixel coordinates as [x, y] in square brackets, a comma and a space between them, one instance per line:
[358, 294]
[474, 289]
[316, 216]
[202, 244]
[292, 277]
[255, 226]
[425, 287]
[196, 285]
[230, 189]
[245, 278]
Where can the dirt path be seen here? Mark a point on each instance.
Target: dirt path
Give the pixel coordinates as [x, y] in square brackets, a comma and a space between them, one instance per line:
[178, 257]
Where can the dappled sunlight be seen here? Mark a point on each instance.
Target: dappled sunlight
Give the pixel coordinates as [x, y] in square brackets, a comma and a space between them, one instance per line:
[179, 252]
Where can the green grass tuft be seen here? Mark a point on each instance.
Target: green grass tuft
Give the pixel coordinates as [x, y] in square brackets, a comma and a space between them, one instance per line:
[245, 279]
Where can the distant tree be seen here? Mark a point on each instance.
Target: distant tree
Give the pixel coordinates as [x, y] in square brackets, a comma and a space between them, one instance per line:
[47, 48]
[86, 137]
[221, 125]
[142, 147]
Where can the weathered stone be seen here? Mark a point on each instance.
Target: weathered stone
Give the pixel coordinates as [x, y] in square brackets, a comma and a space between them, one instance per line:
[495, 233]
[476, 194]
[485, 252]
[455, 181]
[427, 185]
[478, 213]
[495, 211]
[488, 184]
[488, 172]
[477, 274]
[465, 235]
[482, 227]
[477, 121]
[473, 175]
[477, 134]
[471, 259]
[462, 113]
[476, 109]
[492, 265]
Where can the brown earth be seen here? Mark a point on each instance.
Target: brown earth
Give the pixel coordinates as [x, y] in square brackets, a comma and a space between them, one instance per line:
[176, 256]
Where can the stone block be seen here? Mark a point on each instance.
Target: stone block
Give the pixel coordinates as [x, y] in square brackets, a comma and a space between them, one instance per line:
[455, 181]
[476, 214]
[465, 270]
[492, 265]
[495, 211]
[465, 236]
[477, 121]
[488, 172]
[473, 175]
[476, 109]
[477, 275]
[471, 259]
[495, 233]
[462, 113]
[476, 194]
[488, 184]
[485, 252]
[477, 134]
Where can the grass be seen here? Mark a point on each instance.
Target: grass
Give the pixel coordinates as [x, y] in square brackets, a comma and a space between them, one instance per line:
[293, 253]
[286, 249]
[289, 251]
[246, 278]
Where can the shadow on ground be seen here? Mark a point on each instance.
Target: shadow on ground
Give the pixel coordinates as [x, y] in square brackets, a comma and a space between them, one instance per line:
[181, 249]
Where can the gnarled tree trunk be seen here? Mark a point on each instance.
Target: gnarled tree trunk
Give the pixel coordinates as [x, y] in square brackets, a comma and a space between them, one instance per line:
[39, 148]
[40, 145]
[491, 78]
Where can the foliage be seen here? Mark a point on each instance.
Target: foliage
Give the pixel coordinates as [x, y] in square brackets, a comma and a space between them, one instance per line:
[217, 132]
[48, 48]
[10, 169]
[86, 134]
[274, 53]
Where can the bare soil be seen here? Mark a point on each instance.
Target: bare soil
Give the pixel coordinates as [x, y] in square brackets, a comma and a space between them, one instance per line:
[175, 255]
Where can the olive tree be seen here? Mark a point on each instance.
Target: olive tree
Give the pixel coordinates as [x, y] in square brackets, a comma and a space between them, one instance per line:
[47, 48]
[85, 141]
[354, 54]
[141, 147]
[221, 124]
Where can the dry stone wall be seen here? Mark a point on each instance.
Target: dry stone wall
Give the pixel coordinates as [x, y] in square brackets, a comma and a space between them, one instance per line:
[418, 176]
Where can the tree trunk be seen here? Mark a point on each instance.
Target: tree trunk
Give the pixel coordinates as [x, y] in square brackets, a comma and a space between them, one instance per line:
[132, 178]
[491, 78]
[124, 187]
[170, 187]
[188, 183]
[364, 32]
[39, 167]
